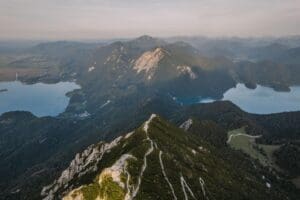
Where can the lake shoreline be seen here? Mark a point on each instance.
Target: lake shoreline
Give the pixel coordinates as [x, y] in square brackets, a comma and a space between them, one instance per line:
[40, 99]
[3, 90]
[256, 101]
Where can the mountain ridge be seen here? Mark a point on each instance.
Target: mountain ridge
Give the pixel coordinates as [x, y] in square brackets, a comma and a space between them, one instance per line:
[160, 157]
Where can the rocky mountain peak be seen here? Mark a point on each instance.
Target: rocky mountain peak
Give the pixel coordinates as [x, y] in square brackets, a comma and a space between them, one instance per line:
[148, 61]
[146, 42]
[145, 38]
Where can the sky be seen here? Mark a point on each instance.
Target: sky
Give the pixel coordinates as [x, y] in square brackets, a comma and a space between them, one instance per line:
[102, 19]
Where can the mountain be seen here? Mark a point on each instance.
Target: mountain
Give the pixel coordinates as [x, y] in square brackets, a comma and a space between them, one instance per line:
[268, 73]
[128, 68]
[117, 95]
[241, 48]
[268, 52]
[120, 69]
[24, 172]
[290, 56]
[110, 71]
[62, 49]
[161, 161]
[146, 42]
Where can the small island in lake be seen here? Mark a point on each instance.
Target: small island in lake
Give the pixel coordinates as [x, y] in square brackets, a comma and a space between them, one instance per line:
[3, 90]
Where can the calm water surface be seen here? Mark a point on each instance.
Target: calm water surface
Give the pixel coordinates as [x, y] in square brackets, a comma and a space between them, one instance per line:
[40, 99]
[262, 100]
[50, 99]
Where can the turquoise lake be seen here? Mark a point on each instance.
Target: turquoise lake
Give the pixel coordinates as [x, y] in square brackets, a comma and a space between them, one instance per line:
[262, 100]
[40, 99]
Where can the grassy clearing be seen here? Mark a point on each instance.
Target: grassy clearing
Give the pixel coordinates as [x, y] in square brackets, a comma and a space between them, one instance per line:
[246, 143]
[110, 190]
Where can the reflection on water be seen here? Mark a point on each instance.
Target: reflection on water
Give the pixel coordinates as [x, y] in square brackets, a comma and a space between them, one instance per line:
[262, 100]
[40, 99]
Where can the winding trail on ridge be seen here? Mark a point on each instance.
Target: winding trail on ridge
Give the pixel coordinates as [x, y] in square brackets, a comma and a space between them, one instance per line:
[242, 134]
[185, 185]
[202, 183]
[165, 175]
[132, 191]
[149, 151]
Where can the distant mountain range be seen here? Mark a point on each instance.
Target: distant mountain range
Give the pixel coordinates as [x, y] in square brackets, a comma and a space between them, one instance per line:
[178, 63]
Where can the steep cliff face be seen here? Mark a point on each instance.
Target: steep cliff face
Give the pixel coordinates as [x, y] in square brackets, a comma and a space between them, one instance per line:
[159, 161]
[149, 61]
[84, 163]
